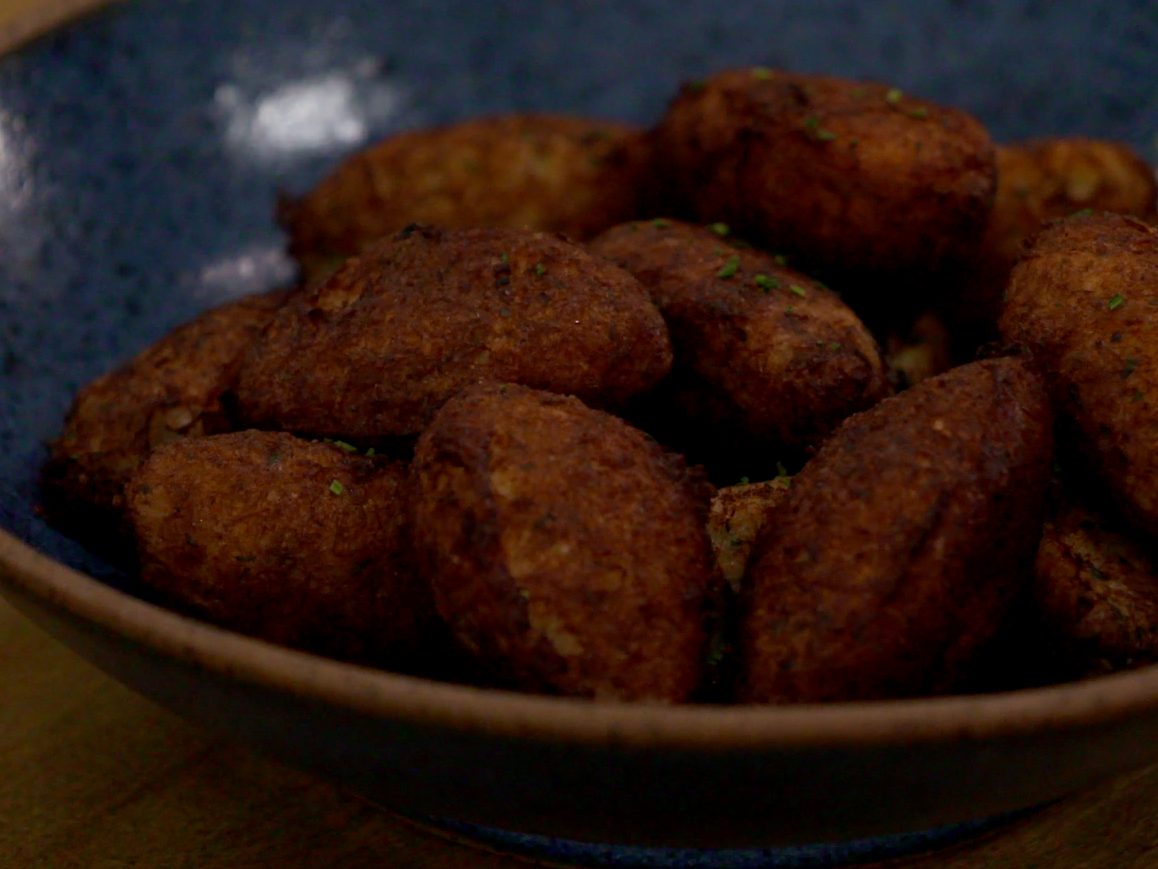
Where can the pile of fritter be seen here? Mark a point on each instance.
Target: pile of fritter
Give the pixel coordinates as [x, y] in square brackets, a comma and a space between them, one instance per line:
[807, 393]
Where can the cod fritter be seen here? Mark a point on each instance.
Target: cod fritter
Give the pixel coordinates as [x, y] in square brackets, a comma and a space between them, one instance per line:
[542, 172]
[300, 543]
[767, 360]
[1095, 594]
[850, 176]
[1039, 181]
[375, 350]
[1084, 301]
[737, 514]
[902, 543]
[567, 550]
[169, 391]
[922, 350]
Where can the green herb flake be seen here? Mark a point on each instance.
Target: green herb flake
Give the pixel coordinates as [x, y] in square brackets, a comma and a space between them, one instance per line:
[761, 72]
[717, 649]
[781, 471]
[798, 290]
[349, 448]
[1082, 213]
[825, 135]
[812, 123]
[504, 257]
[273, 458]
[729, 268]
[835, 345]
[893, 96]
[1116, 301]
[371, 452]
[660, 223]
[540, 269]
[337, 488]
[766, 283]
[919, 114]
[789, 309]
[1129, 368]
[780, 259]
[720, 228]
[743, 481]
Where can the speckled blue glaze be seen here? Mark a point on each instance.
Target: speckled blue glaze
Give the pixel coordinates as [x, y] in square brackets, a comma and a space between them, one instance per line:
[141, 151]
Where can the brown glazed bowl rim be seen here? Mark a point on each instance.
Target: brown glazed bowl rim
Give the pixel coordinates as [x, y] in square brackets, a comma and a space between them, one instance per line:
[1077, 705]
[378, 693]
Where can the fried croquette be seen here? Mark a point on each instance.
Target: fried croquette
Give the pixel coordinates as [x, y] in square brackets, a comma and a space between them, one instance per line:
[567, 551]
[1038, 181]
[1084, 302]
[737, 514]
[851, 177]
[1095, 593]
[375, 350]
[540, 172]
[169, 391]
[902, 543]
[776, 360]
[300, 543]
[922, 350]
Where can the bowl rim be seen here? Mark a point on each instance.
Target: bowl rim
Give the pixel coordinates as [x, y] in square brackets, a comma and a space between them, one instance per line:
[501, 713]
[1105, 699]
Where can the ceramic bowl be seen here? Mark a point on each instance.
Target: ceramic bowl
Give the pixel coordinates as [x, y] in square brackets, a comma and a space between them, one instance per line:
[141, 151]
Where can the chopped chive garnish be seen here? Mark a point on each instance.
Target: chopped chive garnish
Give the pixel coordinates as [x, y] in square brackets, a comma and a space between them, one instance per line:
[798, 290]
[1082, 213]
[350, 448]
[1116, 301]
[539, 269]
[766, 283]
[781, 471]
[835, 345]
[1129, 368]
[743, 481]
[919, 114]
[720, 228]
[337, 488]
[504, 257]
[825, 135]
[780, 259]
[893, 96]
[761, 72]
[371, 452]
[729, 268]
[660, 223]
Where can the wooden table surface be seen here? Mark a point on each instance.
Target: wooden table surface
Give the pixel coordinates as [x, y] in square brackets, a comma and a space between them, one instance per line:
[94, 777]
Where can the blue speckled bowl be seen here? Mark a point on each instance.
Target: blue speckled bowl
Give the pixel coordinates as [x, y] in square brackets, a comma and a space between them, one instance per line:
[140, 154]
